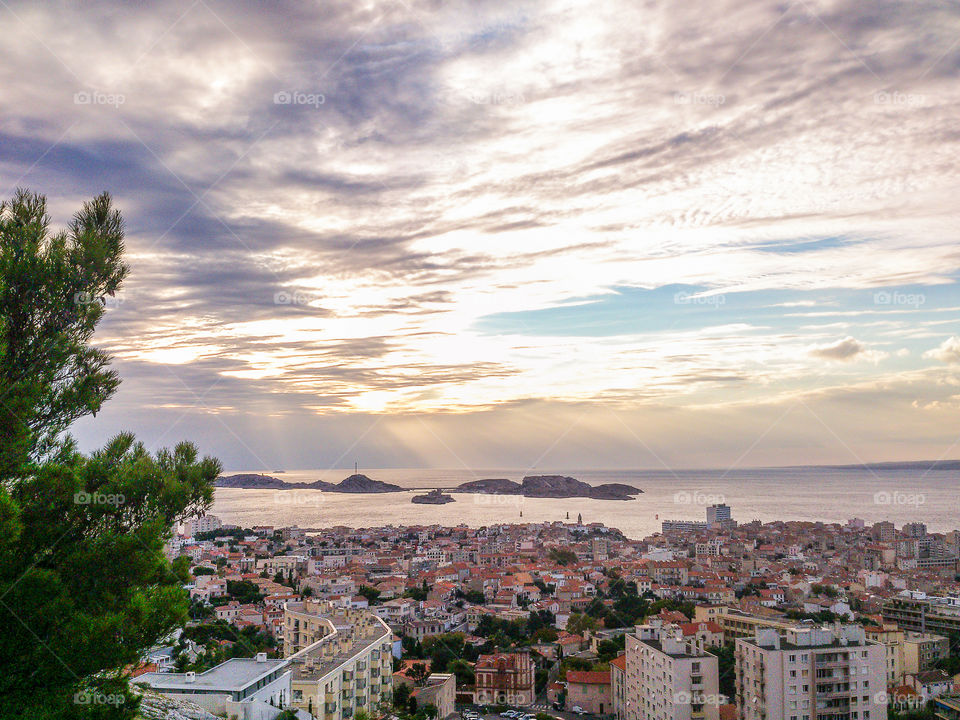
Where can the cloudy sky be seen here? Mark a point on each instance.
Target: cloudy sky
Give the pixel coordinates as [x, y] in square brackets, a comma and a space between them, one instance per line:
[560, 234]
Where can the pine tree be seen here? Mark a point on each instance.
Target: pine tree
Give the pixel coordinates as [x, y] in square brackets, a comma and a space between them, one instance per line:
[85, 588]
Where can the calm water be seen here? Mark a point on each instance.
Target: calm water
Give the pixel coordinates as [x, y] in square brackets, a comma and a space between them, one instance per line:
[831, 495]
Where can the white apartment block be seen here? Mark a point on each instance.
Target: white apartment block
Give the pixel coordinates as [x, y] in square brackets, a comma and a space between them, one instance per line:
[811, 673]
[239, 687]
[341, 659]
[667, 678]
[204, 523]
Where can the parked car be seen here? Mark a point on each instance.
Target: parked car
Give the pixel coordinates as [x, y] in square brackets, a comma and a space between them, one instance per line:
[578, 710]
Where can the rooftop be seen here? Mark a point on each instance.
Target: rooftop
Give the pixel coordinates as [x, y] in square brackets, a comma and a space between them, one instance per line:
[230, 676]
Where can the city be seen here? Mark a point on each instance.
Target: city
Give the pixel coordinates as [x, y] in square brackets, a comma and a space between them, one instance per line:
[706, 619]
[480, 360]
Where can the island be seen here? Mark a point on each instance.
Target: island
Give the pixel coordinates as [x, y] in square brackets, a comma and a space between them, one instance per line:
[434, 497]
[550, 486]
[356, 483]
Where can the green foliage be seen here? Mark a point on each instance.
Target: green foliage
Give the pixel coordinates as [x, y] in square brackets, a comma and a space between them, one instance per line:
[370, 593]
[563, 556]
[401, 695]
[474, 596]
[244, 591]
[85, 587]
[578, 624]
[725, 669]
[607, 650]
[573, 663]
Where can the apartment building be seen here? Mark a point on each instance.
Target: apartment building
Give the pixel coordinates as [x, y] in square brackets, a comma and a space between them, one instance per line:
[204, 523]
[737, 624]
[919, 612]
[667, 678]
[235, 687]
[891, 637]
[813, 673]
[922, 650]
[341, 659]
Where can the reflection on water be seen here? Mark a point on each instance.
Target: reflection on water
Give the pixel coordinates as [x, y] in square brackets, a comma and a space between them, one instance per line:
[768, 494]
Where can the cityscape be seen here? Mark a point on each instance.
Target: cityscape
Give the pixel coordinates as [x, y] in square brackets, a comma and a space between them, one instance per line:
[477, 360]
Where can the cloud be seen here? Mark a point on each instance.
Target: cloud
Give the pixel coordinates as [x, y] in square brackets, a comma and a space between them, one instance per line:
[947, 352]
[476, 161]
[846, 349]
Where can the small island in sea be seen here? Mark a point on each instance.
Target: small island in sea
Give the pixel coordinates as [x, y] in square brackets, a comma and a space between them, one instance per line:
[356, 483]
[550, 486]
[532, 486]
[434, 497]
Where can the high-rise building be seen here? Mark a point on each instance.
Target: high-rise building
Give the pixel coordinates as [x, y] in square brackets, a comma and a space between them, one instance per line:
[204, 523]
[883, 531]
[341, 659]
[717, 514]
[667, 678]
[812, 673]
[915, 530]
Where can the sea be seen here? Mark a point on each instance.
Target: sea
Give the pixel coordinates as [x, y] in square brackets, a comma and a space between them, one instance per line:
[829, 494]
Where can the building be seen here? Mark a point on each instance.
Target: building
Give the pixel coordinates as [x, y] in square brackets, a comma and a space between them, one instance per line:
[718, 514]
[891, 637]
[814, 673]
[884, 531]
[618, 686]
[230, 687]
[736, 623]
[204, 523]
[440, 691]
[922, 650]
[682, 526]
[668, 679]
[347, 667]
[590, 691]
[923, 613]
[504, 679]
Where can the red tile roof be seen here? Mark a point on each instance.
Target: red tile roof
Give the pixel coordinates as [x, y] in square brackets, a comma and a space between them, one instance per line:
[584, 677]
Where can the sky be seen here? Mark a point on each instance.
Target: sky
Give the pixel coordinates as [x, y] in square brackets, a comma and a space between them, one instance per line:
[559, 234]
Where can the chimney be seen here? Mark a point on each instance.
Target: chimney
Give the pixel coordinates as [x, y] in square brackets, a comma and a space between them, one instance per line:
[190, 677]
[261, 657]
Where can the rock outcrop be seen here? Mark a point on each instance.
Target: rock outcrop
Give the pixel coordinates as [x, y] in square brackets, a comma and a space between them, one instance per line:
[434, 497]
[550, 486]
[358, 483]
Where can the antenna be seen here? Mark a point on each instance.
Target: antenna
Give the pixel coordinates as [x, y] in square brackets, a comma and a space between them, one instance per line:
[355, 470]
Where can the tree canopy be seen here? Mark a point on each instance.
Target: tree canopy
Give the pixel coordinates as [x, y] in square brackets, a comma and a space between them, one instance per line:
[85, 587]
